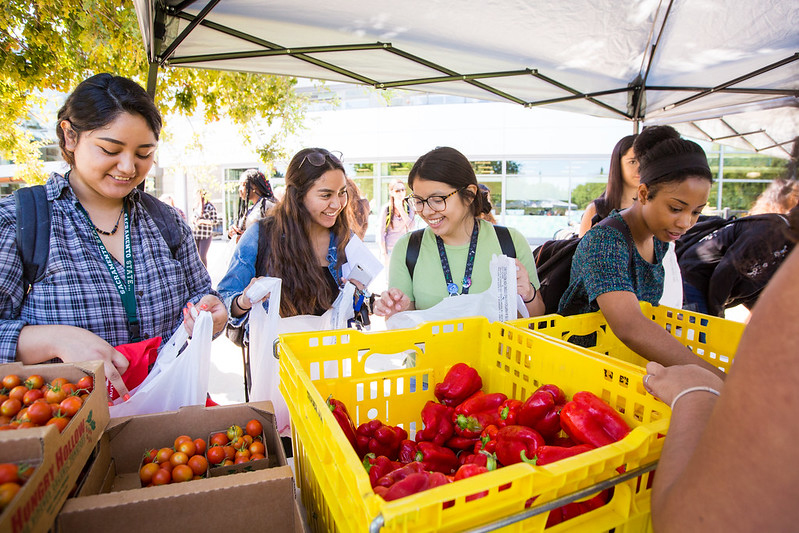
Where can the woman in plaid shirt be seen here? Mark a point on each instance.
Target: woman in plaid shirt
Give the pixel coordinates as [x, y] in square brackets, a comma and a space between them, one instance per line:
[110, 278]
[205, 218]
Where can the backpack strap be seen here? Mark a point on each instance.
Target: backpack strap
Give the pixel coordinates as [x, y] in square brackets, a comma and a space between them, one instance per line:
[164, 219]
[505, 241]
[33, 231]
[412, 253]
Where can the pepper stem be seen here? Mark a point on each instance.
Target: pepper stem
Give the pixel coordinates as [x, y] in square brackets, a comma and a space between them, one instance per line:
[523, 455]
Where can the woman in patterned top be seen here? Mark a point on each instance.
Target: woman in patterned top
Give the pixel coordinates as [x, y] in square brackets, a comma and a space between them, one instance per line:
[205, 218]
[607, 275]
[110, 278]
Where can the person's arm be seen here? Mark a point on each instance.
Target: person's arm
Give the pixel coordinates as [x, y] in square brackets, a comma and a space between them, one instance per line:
[645, 337]
[728, 465]
[240, 275]
[527, 283]
[585, 222]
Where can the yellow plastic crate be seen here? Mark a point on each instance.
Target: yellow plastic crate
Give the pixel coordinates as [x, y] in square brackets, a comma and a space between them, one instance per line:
[712, 338]
[335, 488]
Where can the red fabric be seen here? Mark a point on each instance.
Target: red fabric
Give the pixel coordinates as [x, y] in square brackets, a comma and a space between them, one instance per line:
[141, 356]
[209, 402]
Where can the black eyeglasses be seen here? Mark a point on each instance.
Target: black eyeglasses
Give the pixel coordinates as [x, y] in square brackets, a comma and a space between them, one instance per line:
[437, 203]
[317, 158]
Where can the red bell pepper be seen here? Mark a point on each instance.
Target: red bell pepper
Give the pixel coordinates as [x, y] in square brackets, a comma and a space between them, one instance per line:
[462, 443]
[438, 425]
[436, 458]
[342, 416]
[508, 411]
[379, 439]
[407, 451]
[549, 454]
[488, 460]
[478, 411]
[460, 382]
[541, 411]
[488, 440]
[470, 470]
[378, 467]
[517, 443]
[571, 510]
[414, 484]
[400, 474]
[589, 420]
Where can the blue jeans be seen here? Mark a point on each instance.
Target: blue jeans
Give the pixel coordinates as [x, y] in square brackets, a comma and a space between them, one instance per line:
[693, 299]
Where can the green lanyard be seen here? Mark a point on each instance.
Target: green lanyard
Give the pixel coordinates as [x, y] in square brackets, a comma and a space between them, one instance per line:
[126, 288]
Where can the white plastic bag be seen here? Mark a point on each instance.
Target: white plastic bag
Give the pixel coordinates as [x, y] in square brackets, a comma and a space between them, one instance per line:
[177, 379]
[499, 302]
[672, 282]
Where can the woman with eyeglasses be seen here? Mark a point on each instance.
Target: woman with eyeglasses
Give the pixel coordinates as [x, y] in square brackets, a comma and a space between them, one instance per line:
[396, 219]
[457, 246]
[300, 240]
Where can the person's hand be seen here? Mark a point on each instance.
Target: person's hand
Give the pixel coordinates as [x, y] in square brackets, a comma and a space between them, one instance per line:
[665, 383]
[390, 302]
[37, 344]
[209, 303]
[233, 230]
[358, 285]
[523, 286]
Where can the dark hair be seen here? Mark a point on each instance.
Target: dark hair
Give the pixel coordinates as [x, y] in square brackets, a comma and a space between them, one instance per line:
[488, 207]
[610, 199]
[287, 249]
[358, 209]
[447, 165]
[664, 157]
[256, 181]
[98, 101]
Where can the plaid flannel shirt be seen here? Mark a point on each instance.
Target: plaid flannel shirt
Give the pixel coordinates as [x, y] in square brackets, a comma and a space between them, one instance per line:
[77, 288]
[203, 231]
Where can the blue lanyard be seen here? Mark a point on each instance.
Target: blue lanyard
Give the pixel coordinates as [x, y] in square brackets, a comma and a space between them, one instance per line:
[332, 259]
[126, 289]
[452, 288]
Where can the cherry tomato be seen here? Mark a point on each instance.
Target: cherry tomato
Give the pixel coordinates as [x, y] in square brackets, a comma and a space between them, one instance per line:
[199, 446]
[181, 439]
[227, 462]
[10, 407]
[178, 458]
[182, 473]
[149, 455]
[162, 477]
[25, 424]
[146, 473]
[11, 380]
[55, 394]
[4, 419]
[18, 392]
[166, 466]
[34, 381]
[3, 396]
[39, 413]
[234, 432]
[9, 473]
[7, 493]
[198, 465]
[164, 454]
[32, 395]
[240, 460]
[71, 405]
[254, 428]
[57, 382]
[86, 383]
[243, 453]
[216, 454]
[25, 473]
[257, 447]
[58, 421]
[230, 451]
[257, 456]
[187, 447]
[239, 443]
[219, 439]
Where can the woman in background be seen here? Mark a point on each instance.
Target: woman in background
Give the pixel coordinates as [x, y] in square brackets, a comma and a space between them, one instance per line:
[622, 185]
[255, 198]
[396, 219]
[205, 218]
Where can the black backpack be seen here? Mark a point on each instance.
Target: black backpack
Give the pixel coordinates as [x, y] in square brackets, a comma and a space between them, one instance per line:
[553, 262]
[415, 244]
[708, 225]
[33, 228]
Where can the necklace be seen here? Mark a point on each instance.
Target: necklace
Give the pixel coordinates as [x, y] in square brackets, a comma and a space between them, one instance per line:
[116, 226]
[452, 288]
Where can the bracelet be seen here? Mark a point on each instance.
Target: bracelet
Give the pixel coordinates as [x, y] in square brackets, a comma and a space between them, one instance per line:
[236, 301]
[693, 389]
[535, 291]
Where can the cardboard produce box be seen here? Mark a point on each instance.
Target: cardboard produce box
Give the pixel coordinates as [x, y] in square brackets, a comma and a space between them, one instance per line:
[112, 496]
[59, 457]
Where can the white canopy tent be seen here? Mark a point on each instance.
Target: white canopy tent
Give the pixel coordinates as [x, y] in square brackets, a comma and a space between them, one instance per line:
[719, 70]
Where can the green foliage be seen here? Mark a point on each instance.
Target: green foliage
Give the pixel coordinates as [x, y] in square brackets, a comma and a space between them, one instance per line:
[55, 44]
[584, 194]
